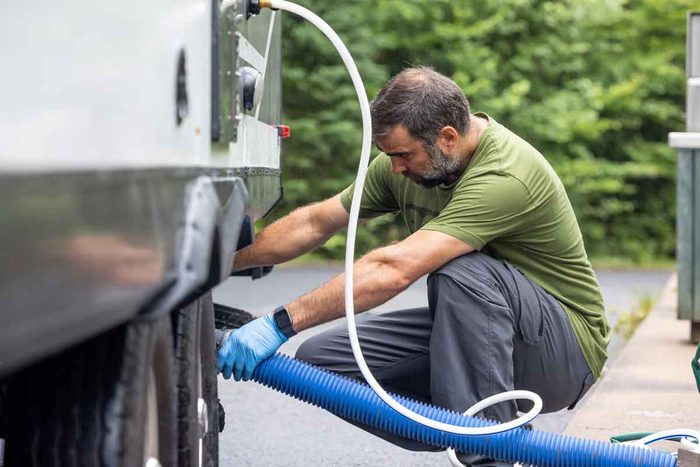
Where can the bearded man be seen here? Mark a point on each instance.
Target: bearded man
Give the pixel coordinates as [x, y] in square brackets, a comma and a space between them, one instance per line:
[513, 302]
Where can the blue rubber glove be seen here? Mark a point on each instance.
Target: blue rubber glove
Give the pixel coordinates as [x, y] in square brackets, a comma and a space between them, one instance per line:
[247, 346]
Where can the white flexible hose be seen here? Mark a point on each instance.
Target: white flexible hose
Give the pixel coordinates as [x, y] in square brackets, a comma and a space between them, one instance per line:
[684, 434]
[350, 254]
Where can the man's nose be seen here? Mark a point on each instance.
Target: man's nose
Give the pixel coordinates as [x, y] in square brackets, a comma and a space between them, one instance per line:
[397, 166]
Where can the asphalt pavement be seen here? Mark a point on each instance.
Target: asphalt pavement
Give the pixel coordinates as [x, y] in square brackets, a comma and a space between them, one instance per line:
[266, 428]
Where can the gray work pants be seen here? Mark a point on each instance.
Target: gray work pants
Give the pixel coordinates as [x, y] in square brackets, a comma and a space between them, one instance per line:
[487, 329]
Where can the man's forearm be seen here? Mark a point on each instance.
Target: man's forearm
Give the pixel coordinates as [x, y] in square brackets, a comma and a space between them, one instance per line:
[377, 279]
[285, 239]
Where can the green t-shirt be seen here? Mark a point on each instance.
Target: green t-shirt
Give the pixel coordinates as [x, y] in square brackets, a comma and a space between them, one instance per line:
[510, 203]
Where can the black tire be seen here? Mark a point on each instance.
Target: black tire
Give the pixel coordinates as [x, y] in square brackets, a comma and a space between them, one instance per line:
[195, 357]
[89, 405]
[226, 317]
[209, 378]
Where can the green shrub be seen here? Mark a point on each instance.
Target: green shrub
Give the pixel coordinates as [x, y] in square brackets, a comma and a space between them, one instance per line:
[595, 85]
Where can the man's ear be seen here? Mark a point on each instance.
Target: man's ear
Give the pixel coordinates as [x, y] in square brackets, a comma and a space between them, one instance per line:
[447, 139]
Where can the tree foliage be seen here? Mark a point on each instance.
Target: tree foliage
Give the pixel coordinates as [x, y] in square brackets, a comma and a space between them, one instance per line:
[595, 85]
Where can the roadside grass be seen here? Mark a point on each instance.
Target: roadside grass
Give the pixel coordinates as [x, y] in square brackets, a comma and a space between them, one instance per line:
[629, 320]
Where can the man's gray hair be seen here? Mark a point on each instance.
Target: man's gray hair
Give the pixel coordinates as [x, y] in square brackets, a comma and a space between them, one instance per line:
[424, 101]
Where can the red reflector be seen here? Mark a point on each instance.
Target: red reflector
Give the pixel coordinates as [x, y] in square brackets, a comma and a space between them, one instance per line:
[284, 131]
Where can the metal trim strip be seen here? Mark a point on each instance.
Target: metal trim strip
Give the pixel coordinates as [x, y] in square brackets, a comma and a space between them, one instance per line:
[250, 54]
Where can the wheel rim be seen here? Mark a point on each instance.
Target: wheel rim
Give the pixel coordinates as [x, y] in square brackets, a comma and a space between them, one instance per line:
[202, 409]
[202, 416]
[151, 444]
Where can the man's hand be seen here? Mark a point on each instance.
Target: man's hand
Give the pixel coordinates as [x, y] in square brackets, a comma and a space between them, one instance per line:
[248, 346]
[296, 233]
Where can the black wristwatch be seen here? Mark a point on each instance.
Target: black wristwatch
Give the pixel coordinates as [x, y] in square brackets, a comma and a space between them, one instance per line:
[284, 321]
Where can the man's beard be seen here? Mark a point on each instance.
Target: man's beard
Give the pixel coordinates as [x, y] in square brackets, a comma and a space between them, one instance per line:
[442, 169]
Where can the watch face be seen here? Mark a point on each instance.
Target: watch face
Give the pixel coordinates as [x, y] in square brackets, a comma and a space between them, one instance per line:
[284, 321]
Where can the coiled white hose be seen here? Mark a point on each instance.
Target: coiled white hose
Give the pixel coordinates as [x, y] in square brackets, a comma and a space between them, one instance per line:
[350, 254]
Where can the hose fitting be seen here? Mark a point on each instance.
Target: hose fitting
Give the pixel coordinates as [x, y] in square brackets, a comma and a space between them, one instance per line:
[253, 8]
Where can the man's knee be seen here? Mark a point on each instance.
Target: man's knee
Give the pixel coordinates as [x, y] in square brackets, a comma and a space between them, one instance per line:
[309, 350]
[470, 264]
[467, 278]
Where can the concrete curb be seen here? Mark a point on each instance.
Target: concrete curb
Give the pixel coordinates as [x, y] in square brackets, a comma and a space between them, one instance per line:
[649, 386]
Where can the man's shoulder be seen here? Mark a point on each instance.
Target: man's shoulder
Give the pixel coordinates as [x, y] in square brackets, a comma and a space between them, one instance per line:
[507, 153]
[512, 146]
[380, 166]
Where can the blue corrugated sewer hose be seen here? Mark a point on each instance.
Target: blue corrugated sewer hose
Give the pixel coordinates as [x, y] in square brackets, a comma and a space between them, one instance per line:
[356, 401]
